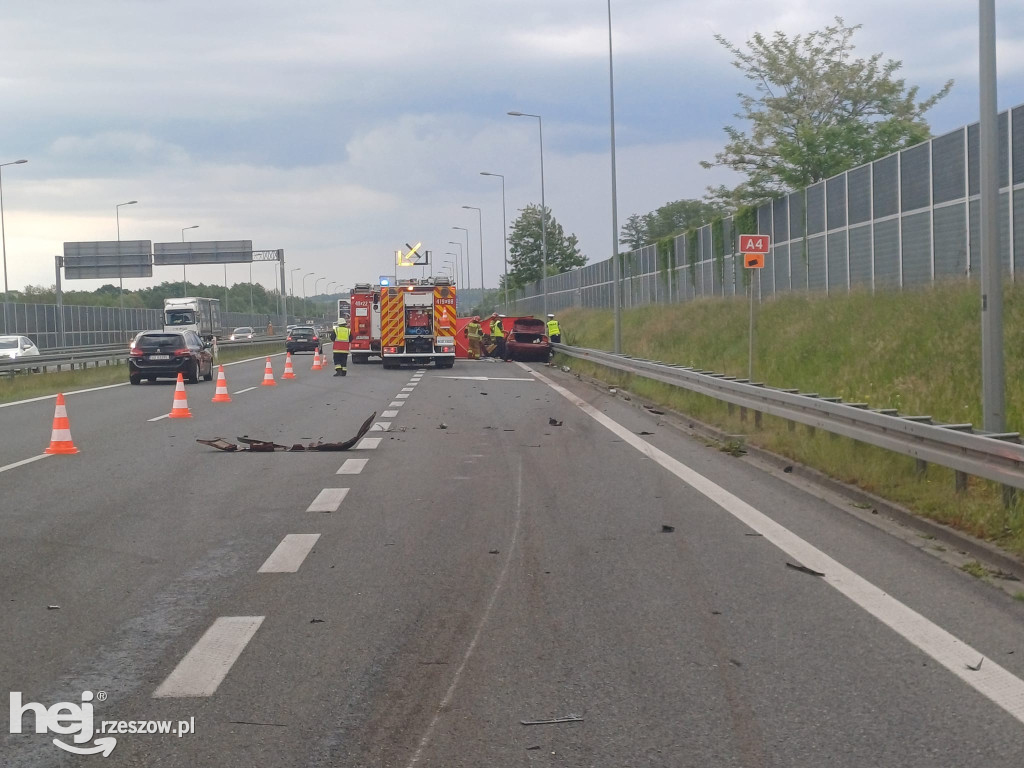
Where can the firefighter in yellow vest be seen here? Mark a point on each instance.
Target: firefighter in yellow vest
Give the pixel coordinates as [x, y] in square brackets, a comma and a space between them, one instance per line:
[340, 335]
[554, 332]
[474, 337]
[497, 335]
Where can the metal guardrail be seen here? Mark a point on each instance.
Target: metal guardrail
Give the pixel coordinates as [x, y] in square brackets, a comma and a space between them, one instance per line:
[997, 457]
[101, 354]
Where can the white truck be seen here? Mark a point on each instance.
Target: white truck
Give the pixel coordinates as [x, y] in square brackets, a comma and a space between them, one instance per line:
[193, 314]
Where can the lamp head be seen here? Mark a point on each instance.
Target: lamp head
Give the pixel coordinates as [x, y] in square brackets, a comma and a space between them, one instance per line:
[516, 114]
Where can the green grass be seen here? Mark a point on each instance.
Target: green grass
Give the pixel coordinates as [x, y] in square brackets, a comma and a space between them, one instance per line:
[25, 386]
[976, 569]
[918, 351]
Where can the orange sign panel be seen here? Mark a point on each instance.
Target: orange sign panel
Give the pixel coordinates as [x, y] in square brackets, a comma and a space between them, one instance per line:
[753, 260]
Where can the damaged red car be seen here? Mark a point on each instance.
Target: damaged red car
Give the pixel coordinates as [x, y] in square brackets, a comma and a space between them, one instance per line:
[528, 341]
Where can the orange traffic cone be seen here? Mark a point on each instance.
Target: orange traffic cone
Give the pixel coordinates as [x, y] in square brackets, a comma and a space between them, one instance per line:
[268, 376]
[221, 395]
[179, 408]
[316, 361]
[289, 372]
[60, 437]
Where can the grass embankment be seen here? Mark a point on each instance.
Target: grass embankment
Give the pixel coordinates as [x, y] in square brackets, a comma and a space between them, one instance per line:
[919, 352]
[25, 385]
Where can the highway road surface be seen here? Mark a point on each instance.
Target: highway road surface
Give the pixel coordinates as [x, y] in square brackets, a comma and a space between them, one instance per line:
[471, 585]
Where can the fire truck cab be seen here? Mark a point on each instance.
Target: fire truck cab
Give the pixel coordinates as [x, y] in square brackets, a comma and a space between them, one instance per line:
[417, 322]
[364, 322]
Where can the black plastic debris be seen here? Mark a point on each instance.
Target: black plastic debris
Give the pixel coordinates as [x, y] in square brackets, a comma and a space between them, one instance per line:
[255, 445]
[804, 569]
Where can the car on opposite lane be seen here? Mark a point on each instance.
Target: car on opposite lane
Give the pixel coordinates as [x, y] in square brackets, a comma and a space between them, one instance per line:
[165, 354]
[304, 338]
[245, 332]
[16, 348]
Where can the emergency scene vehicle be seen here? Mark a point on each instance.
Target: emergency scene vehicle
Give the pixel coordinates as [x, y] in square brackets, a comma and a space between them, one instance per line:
[417, 322]
[363, 321]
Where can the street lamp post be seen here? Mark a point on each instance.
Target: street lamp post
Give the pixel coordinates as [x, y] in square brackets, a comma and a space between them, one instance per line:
[316, 291]
[120, 280]
[296, 269]
[480, 230]
[308, 274]
[455, 273]
[543, 211]
[3, 236]
[459, 279]
[465, 258]
[184, 280]
[504, 229]
[616, 268]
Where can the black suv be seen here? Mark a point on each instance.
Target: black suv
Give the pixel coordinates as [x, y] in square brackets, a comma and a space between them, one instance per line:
[165, 354]
[304, 338]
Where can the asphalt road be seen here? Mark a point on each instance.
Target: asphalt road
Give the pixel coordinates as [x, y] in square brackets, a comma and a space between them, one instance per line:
[500, 569]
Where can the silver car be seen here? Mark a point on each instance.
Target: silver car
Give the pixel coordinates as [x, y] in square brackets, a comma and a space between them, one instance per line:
[17, 347]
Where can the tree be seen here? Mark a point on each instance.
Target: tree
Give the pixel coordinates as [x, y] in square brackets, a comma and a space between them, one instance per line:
[525, 256]
[670, 219]
[817, 112]
[634, 232]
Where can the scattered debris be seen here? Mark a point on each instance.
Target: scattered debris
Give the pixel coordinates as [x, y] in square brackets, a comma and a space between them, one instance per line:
[612, 390]
[483, 393]
[753, 534]
[255, 445]
[735, 662]
[442, 425]
[667, 528]
[975, 669]
[804, 569]
[492, 551]
[508, 430]
[627, 397]
[645, 432]
[716, 613]
[53, 607]
[316, 621]
[554, 422]
[654, 410]
[535, 746]
[555, 720]
[565, 368]
[788, 469]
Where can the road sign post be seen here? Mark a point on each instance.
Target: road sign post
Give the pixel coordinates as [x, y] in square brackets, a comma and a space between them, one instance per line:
[753, 248]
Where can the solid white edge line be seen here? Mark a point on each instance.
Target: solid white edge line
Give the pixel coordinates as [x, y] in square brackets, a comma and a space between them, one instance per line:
[352, 467]
[328, 500]
[210, 659]
[23, 462]
[290, 553]
[993, 681]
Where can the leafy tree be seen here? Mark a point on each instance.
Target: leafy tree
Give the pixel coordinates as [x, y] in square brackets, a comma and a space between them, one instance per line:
[634, 232]
[668, 220]
[817, 112]
[525, 257]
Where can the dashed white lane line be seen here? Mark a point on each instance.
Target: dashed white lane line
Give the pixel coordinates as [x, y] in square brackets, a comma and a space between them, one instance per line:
[368, 443]
[23, 462]
[381, 426]
[991, 680]
[389, 414]
[328, 500]
[165, 416]
[352, 467]
[397, 403]
[408, 389]
[402, 397]
[210, 660]
[289, 553]
[243, 391]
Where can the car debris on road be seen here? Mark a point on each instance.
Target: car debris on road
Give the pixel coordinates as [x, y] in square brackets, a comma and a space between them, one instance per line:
[266, 446]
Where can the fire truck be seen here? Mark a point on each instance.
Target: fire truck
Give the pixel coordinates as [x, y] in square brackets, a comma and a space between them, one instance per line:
[417, 322]
[364, 322]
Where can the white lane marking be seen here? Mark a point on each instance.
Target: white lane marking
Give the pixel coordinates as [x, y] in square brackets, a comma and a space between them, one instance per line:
[397, 403]
[66, 394]
[498, 584]
[401, 397]
[389, 414]
[289, 553]
[368, 443]
[23, 462]
[417, 377]
[328, 500]
[210, 660]
[165, 416]
[485, 378]
[243, 391]
[992, 680]
[380, 426]
[352, 467]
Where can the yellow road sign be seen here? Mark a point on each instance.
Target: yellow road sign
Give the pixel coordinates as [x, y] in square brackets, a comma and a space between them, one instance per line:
[407, 259]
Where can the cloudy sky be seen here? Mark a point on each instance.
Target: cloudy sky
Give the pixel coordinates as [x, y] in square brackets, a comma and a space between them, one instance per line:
[341, 130]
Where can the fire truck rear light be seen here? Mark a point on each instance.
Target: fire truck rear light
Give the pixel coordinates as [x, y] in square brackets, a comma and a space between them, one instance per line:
[391, 350]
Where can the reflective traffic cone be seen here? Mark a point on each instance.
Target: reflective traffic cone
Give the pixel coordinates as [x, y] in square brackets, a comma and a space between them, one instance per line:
[179, 409]
[289, 372]
[60, 437]
[268, 376]
[221, 395]
[316, 361]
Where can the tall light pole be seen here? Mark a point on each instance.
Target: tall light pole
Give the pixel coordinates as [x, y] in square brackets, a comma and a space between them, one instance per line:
[543, 211]
[316, 291]
[459, 263]
[480, 230]
[3, 236]
[308, 274]
[297, 269]
[615, 205]
[184, 281]
[455, 273]
[120, 280]
[465, 259]
[450, 266]
[504, 229]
